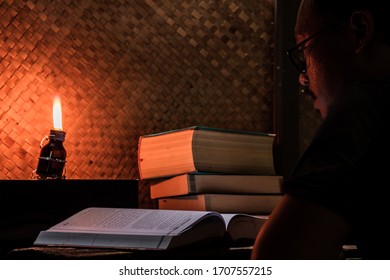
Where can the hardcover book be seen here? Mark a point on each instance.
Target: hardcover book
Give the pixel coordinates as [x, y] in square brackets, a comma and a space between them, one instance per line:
[203, 149]
[224, 203]
[199, 183]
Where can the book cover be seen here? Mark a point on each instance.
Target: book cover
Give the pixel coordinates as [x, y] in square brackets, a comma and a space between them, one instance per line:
[199, 183]
[201, 149]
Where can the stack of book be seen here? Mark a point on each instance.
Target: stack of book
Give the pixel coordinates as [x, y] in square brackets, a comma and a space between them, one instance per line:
[210, 169]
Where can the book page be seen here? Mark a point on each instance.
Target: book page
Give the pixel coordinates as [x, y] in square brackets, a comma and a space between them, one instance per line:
[130, 221]
[108, 240]
[229, 216]
[243, 226]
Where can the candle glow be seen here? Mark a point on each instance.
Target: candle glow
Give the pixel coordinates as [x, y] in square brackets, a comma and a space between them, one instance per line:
[57, 113]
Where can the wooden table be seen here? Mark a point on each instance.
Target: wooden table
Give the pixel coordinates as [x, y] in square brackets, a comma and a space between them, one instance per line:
[190, 253]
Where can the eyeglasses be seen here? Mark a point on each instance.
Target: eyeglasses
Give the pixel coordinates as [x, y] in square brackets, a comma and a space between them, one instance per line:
[296, 53]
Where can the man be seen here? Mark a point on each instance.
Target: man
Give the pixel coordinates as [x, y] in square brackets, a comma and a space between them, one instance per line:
[339, 192]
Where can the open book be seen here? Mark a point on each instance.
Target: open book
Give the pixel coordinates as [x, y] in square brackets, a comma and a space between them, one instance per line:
[148, 228]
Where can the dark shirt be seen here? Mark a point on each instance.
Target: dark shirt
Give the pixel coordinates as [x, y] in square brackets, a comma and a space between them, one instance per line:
[346, 167]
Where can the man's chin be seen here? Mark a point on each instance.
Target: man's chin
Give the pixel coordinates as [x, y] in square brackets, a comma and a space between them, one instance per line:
[321, 109]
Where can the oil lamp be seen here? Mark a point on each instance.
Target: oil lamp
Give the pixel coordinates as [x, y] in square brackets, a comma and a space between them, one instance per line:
[52, 158]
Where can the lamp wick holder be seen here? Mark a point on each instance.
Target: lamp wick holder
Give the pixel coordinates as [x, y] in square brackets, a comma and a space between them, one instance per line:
[52, 158]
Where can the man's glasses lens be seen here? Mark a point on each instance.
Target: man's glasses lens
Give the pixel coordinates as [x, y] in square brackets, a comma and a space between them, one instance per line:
[296, 53]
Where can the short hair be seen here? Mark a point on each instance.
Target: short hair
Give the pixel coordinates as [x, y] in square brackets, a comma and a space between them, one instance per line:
[334, 10]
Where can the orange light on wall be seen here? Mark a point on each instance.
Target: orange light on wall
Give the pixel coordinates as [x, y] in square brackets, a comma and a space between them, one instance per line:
[51, 163]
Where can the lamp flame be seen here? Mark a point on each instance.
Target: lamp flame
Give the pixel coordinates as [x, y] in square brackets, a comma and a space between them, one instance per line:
[57, 113]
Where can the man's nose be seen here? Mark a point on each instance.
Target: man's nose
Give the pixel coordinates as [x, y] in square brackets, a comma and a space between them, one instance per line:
[304, 79]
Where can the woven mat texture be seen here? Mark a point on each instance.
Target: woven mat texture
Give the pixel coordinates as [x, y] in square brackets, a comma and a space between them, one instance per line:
[128, 68]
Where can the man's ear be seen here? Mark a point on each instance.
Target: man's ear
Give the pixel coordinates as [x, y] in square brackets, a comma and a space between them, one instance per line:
[362, 24]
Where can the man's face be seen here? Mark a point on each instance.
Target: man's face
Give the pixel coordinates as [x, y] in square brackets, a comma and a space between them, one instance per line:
[327, 63]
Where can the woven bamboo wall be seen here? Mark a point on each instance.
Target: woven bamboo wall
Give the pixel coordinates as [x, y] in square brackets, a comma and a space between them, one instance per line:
[124, 68]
